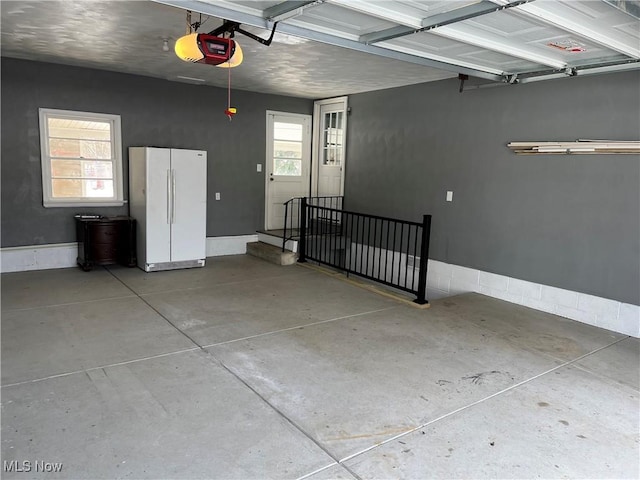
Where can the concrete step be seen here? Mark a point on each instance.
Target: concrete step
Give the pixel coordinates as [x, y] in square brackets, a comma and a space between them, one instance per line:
[275, 238]
[271, 253]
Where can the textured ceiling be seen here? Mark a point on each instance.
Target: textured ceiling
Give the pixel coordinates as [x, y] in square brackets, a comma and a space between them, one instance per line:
[127, 36]
[327, 48]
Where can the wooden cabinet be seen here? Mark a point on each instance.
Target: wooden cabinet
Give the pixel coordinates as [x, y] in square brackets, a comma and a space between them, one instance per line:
[105, 241]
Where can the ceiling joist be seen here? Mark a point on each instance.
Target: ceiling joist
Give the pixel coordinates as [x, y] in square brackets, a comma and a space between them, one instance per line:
[435, 21]
[465, 34]
[285, 10]
[625, 66]
[559, 15]
[383, 10]
[258, 21]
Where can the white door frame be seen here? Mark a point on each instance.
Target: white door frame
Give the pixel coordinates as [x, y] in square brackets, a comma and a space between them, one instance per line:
[317, 144]
[267, 167]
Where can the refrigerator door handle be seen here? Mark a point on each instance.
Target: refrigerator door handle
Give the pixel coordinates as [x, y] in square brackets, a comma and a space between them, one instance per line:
[173, 196]
[169, 220]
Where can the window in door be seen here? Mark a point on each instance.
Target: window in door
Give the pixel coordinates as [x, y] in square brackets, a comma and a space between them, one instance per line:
[287, 149]
[81, 158]
[332, 152]
[330, 128]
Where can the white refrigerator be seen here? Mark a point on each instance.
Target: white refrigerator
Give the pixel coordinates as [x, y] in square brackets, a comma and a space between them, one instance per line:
[168, 199]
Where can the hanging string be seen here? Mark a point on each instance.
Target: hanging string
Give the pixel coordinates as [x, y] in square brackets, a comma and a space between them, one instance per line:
[230, 111]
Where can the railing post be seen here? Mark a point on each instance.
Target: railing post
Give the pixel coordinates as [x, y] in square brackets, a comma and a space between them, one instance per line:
[286, 215]
[302, 252]
[424, 259]
[299, 205]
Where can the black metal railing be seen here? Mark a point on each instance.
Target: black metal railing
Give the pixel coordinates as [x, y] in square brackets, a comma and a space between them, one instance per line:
[386, 250]
[292, 213]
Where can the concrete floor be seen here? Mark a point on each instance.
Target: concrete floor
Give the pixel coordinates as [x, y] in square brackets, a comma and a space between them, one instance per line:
[244, 369]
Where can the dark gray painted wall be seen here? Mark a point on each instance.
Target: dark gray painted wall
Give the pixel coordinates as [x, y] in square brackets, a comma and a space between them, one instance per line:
[153, 112]
[566, 221]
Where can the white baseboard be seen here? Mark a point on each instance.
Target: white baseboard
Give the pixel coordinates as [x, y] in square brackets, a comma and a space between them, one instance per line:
[445, 279]
[63, 255]
[38, 257]
[234, 245]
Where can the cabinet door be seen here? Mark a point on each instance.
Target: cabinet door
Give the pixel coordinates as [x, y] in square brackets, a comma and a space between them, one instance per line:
[189, 188]
[158, 205]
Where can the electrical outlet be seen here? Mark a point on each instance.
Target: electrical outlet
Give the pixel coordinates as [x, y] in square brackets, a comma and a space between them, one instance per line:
[217, 195]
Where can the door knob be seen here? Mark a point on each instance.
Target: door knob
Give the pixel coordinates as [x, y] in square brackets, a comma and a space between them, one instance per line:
[271, 179]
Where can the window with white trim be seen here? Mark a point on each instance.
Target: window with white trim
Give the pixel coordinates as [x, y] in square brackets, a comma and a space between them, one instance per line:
[81, 158]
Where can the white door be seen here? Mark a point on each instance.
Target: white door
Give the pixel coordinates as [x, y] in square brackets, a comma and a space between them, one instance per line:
[158, 204]
[287, 164]
[330, 132]
[189, 208]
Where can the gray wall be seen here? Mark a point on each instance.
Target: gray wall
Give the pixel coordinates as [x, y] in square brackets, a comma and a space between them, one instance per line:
[567, 221]
[153, 112]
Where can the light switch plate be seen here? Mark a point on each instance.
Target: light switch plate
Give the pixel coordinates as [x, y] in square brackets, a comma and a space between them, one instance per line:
[449, 196]
[259, 167]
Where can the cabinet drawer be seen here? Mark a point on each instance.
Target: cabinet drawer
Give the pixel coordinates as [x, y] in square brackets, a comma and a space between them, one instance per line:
[104, 253]
[105, 241]
[104, 232]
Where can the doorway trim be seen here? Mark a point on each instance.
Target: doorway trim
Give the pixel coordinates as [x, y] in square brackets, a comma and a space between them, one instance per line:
[318, 145]
[306, 180]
